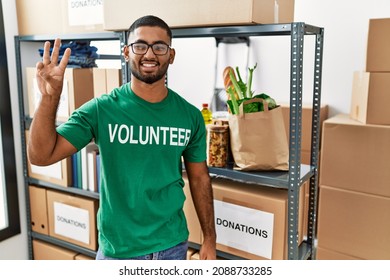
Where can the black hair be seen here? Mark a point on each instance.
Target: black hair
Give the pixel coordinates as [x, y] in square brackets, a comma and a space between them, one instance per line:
[150, 20]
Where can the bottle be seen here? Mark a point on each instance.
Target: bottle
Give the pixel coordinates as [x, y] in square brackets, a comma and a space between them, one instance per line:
[206, 113]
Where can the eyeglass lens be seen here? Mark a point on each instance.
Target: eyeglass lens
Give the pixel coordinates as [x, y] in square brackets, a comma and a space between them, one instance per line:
[142, 48]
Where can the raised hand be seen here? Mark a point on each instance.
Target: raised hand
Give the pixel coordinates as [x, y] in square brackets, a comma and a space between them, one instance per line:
[50, 73]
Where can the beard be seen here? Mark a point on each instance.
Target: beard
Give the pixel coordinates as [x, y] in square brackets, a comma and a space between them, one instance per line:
[149, 78]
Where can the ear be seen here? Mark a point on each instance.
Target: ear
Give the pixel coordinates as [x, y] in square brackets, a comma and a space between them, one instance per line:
[172, 54]
[125, 53]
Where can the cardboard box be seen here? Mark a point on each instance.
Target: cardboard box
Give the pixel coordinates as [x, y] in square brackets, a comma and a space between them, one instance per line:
[77, 89]
[354, 223]
[59, 173]
[304, 222]
[72, 218]
[196, 257]
[45, 251]
[378, 45]
[269, 200]
[325, 254]
[119, 15]
[370, 98]
[190, 252]
[80, 86]
[63, 16]
[355, 156]
[105, 80]
[251, 220]
[306, 128]
[81, 257]
[191, 216]
[113, 79]
[38, 210]
[34, 96]
[99, 81]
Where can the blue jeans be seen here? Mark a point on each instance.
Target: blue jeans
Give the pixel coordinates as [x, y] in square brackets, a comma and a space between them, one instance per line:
[178, 252]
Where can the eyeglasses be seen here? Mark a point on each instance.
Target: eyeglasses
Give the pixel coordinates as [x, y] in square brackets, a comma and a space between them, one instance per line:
[157, 48]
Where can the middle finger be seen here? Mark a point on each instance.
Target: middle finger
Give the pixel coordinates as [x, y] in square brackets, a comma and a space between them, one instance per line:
[56, 51]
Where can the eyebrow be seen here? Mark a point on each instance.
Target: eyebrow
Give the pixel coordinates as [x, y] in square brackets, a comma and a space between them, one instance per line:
[155, 42]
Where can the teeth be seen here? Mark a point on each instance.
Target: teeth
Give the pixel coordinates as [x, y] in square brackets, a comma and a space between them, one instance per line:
[149, 64]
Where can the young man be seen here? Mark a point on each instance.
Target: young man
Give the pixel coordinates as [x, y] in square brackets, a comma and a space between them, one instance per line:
[143, 129]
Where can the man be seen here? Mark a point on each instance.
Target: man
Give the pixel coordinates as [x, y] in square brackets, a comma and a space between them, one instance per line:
[143, 129]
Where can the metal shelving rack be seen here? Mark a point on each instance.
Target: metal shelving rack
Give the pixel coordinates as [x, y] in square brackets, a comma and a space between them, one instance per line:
[291, 180]
[298, 173]
[20, 41]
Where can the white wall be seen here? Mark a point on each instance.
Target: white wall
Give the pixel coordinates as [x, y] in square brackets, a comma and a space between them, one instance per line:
[14, 248]
[345, 25]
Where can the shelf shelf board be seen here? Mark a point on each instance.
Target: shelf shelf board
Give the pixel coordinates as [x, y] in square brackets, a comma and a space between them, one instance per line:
[276, 179]
[100, 36]
[304, 252]
[72, 190]
[242, 30]
[219, 253]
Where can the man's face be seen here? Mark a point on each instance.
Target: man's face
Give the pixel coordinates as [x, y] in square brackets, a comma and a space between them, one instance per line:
[148, 67]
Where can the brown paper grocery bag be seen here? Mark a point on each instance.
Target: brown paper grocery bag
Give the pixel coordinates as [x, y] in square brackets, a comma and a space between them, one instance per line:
[258, 140]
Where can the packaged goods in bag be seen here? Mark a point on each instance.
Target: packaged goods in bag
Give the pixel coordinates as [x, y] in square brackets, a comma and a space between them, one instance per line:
[256, 126]
[258, 140]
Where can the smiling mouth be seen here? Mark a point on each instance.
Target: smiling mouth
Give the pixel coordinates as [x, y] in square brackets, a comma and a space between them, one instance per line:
[149, 64]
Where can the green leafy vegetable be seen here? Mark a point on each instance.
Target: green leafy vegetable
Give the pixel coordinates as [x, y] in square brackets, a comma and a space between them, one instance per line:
[233, 105]
[244, 92]
[235, 84]
[249, 82]
[271, 102]
[241, 84]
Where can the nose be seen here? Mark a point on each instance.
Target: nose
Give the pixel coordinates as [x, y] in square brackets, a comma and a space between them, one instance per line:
[149, 52]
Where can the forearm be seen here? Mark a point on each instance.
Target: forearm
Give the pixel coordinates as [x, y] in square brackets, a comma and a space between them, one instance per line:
[45, 146]
[43, 134]
[202, 196]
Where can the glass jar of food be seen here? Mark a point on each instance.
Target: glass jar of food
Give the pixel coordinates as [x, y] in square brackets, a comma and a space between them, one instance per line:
[217, 144]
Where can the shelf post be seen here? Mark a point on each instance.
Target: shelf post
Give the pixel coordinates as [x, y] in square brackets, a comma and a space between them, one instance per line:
[315, 143]
[297, 37]
[19, 74]
[124, 65]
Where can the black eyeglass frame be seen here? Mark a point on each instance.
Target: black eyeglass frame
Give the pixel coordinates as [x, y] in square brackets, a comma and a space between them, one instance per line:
[149, 46]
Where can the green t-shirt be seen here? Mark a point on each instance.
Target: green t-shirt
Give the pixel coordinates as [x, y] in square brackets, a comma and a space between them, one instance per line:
[141, 188]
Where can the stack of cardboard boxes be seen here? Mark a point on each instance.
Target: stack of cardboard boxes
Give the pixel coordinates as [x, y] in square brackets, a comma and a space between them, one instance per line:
[80, 86]
[46, 251]
[63, 216]
[354, 197]
[250, 220]
[118, 15]
[306, 127]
